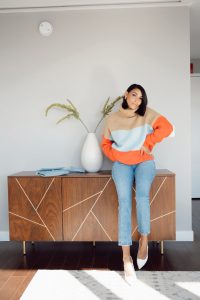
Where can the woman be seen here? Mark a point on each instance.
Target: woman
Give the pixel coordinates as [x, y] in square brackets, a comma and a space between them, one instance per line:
[128, 139]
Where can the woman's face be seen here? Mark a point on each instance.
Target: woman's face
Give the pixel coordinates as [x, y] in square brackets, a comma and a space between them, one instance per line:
[133, 98]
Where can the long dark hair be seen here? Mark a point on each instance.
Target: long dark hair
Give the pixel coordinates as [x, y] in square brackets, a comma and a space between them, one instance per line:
[142, 108]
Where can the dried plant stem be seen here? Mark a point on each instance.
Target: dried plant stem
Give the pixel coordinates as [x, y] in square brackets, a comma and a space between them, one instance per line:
[73, 112]
[99, 123]
[107, 109]
[84, 125]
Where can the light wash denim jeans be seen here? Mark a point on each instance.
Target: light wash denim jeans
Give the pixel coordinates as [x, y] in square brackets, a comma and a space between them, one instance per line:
[124, 175]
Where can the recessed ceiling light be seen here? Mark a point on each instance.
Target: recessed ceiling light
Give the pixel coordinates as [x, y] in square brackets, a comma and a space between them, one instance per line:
[45, 28]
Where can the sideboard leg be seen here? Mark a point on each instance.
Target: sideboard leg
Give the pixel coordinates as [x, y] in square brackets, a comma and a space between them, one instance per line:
[24, 248]
[161, 247]
[94, 243]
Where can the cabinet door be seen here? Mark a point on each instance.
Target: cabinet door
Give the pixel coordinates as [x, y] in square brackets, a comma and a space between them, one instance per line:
[162, 210]
[89, 209]
[35, 208]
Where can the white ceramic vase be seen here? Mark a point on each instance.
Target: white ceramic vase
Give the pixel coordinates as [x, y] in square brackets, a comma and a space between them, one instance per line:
[91, 154]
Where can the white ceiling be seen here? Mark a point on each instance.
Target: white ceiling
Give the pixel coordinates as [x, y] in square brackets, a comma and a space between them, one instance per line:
[24, 5]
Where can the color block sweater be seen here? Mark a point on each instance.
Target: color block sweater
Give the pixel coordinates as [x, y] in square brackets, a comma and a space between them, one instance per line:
[126, 133]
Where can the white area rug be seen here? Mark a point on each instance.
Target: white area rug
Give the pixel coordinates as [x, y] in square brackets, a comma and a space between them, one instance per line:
[100, 284]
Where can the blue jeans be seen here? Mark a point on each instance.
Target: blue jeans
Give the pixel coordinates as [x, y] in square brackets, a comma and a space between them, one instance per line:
[123, 176]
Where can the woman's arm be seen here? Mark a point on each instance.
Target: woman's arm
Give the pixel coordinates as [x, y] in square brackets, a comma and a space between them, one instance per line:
[106, 146]
[161, 129]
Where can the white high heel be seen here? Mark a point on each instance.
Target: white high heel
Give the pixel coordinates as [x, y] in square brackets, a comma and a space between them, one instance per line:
[141, 262]
[129, 268]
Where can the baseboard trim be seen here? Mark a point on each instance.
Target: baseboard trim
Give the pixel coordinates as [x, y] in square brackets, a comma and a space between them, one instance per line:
[4, 236]
[185, 235]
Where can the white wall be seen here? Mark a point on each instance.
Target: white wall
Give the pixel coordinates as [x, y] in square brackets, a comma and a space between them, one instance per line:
[92, 55]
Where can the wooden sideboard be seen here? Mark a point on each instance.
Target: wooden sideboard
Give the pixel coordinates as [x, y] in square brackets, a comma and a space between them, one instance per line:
[83, 207]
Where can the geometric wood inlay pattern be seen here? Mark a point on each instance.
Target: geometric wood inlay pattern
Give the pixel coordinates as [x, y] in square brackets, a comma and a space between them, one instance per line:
[80, 220]
[162, 209]
[95, 217]
[35, 208]
[83, 207]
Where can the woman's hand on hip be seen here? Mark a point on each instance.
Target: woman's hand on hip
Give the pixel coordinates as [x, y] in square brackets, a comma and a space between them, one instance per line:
[144, 150]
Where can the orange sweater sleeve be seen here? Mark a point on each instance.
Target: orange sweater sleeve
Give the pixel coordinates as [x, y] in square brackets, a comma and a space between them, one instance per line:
[106, 146]
[106, 142]
[161, 129]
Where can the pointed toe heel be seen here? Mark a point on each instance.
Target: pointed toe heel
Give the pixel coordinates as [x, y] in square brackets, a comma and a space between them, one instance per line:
[141, 262]
[129, 269]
